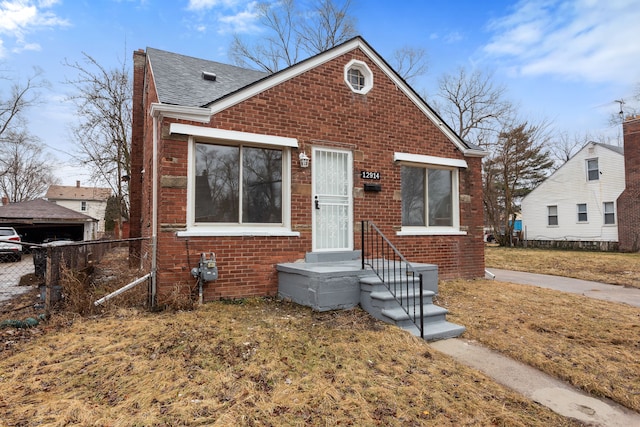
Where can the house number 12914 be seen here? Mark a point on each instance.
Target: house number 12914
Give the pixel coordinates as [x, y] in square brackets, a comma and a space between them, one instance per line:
[369, 175]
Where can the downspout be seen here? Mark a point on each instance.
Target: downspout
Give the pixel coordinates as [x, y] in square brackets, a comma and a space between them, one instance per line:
[154, 214]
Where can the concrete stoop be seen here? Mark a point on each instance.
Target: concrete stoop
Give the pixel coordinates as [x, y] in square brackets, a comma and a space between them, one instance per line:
[331, 283]
[379, 302]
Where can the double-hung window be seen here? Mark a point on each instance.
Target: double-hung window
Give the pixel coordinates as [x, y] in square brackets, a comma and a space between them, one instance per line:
[582, 212]
[552, 215]
[430, 194]
[593, 173]
[609, 213]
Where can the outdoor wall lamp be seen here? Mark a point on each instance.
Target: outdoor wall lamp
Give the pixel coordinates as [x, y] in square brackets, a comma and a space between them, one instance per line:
[304, 160]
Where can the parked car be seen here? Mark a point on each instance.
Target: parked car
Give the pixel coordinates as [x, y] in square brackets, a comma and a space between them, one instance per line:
[10, 246]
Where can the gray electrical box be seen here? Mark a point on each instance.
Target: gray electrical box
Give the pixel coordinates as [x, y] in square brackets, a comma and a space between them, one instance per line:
[207, 269]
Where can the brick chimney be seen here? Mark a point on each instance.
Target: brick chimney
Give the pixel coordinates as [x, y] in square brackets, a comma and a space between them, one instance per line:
[629, 200]
[137, 154]
[77, 184]
[5, 201]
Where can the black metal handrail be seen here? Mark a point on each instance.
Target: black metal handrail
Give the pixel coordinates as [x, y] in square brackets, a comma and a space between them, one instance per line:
[395, 272]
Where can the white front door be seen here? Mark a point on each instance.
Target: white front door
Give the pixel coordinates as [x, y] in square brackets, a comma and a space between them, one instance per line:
[332, 200]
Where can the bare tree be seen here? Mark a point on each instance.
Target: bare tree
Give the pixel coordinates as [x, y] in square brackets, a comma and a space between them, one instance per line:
[410, 62]
[474, 106]
[564, 146]
[293, 32]
[22, 96]
[27, 173]
[327, 25]
[103, 132]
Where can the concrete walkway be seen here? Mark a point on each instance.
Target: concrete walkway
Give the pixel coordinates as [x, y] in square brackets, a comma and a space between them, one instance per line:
[557, 395]
[603, 291]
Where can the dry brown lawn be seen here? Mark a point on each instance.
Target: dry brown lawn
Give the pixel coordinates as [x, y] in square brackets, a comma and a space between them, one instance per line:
[257, 363]
[606, 267]
[269, 363]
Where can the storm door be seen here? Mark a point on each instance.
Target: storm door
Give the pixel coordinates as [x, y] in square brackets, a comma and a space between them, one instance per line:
[332, 200]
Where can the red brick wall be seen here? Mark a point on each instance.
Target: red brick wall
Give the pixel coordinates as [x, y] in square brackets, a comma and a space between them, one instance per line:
[318, 109]
[629, 200]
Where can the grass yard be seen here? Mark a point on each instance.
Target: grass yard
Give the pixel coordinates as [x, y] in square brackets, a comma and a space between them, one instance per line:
[606, 267]
[257, 363]
[269, 363]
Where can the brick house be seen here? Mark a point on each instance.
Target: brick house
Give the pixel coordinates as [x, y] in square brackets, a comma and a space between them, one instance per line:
[629, 200]
[264, 169]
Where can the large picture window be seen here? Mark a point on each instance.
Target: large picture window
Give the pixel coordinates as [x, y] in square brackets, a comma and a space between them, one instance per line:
[427, 197]
[238, 184]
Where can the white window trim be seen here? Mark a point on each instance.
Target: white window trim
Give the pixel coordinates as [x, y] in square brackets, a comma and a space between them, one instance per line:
[586, 212]
[230, 230]
[556, 215]
[366, 72]
[586, 164]
[431, 162]
[604, 215]
[232, 135]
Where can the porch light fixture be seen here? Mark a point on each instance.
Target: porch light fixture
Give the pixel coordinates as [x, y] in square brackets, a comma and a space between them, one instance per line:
[304, 160]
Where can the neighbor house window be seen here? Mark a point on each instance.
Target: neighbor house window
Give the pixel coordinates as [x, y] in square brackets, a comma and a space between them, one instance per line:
[428, 197]
[593, 173]
[609, 213]
[83, 206]
[238, 184]
[552, 215]
[582, 212]
[358, 76]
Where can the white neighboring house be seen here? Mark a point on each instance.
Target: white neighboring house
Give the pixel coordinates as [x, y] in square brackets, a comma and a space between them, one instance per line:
[91, 201]
[577, 202]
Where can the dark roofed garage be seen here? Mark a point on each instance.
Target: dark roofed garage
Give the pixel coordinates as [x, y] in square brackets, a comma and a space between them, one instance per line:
[39, 221]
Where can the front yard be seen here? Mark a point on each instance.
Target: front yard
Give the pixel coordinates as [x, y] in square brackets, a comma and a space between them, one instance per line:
[266, 362]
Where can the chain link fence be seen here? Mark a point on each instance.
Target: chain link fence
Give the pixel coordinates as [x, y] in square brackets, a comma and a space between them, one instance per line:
[72, 276]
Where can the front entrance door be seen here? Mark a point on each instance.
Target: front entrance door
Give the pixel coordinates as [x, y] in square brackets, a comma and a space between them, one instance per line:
[332, 200]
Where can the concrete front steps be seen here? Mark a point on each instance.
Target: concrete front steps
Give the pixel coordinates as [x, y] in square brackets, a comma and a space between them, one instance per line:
[378, 301]
[326, 283]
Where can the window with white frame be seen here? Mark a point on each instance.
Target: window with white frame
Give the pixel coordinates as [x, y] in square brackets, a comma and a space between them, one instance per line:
[238, 184]
[429, 196]
[609, 213]
[593, 173]
[358, 76]
[582, 212]
[552, 215]
[83, 206]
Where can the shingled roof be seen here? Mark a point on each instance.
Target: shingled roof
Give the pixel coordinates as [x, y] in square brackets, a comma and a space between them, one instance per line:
[63, 192]
[40, 210]
[180, 79]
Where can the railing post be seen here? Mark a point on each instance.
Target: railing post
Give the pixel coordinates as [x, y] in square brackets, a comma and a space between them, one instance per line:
[421, 310]
[362, 242]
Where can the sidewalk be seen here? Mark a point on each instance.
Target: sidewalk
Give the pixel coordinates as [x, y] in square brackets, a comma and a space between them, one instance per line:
[555, 394]
[603, 291]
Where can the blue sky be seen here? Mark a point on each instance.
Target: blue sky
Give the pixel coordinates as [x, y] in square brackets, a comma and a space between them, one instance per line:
[564, 61]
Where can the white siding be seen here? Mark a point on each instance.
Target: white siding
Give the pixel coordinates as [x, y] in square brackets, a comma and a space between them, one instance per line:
[568, 187]
[95, 209]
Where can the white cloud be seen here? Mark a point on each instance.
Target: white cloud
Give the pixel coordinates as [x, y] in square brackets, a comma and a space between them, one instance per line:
[226, 16]
[18, 18]
[241, 22]
[210, 4]
[592, 40]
